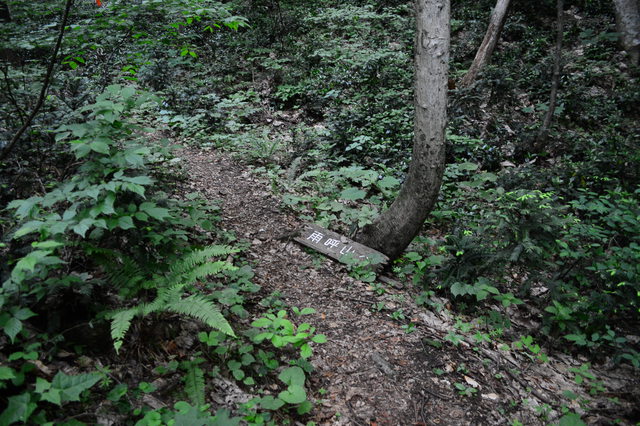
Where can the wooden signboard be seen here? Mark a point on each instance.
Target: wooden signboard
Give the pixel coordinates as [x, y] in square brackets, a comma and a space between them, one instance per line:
[337, 246]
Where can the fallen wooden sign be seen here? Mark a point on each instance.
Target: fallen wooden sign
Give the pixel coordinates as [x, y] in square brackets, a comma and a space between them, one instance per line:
[338, 247]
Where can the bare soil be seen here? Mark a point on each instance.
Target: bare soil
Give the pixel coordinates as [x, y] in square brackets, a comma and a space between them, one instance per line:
[371, 372]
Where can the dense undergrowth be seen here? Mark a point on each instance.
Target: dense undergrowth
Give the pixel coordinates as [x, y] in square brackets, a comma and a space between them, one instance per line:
[319, 99]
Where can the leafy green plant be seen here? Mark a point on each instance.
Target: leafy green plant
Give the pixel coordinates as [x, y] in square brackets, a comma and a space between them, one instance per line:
[170, 288]
[185, 413]
[465, 390]
[281, 332]
[349, 197]
[295, 394]
[583, 376]
[526, 342]
[62, 389]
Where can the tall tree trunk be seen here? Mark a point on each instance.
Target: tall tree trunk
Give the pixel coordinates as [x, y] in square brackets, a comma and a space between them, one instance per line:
[628, 23]
[395, 228]
[488, 43]
[5, 13]
[543, 133]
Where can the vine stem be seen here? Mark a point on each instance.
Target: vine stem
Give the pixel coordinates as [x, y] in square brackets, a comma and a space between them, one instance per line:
[45, 85]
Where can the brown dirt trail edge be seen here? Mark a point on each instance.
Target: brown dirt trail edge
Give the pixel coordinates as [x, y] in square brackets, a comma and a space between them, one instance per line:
[373, 372]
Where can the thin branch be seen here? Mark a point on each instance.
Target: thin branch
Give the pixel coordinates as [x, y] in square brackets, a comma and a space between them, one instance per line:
[12, 99]
[543, 133]
[45, 85]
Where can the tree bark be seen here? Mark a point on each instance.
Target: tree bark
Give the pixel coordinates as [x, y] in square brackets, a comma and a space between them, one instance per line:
[541, 139]
[628, 23]
[396, 227]
[5, 13]
[488, 43]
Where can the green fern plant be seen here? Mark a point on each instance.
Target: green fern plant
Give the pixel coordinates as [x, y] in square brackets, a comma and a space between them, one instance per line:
[194, 385]
[171, 292]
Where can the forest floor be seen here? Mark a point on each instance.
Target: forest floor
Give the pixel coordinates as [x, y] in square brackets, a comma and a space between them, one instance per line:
[371, 371]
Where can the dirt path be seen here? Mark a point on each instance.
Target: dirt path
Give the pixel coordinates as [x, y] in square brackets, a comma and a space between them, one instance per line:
[374, 373]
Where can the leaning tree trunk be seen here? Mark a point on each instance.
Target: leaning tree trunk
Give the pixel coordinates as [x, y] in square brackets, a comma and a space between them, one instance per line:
[628, 23]
[395, 228]
[541, 138]
[488, 43]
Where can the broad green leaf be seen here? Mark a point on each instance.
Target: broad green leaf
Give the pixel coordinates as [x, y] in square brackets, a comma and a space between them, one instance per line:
[49, 244]
[127, 92]
[54, 396]
[82, 227]
[133, 187]
[222, 418]
[247, 359]
[28, 228]
[460, 289]
[24, 207]
[24, 314]
[270, 403]
[261, 322]
[135, 160]
[59, 227]
[262, 336]
[293, 395]
[93, 192]
[158, 213]
[234, 365]
[352, 193]
[304, 326]
[19, 409]
[12, 328]
[80, 148]
[107, 206]
[292, 376]
[139, 180]
[141, 216]
[117, 392]
[579, 339]
[388, 182]
[467, 166]
[42, 385]
[100, 223]
[305, 351]
[319, 338]
[29, 262]
[278, 341]
[304, 408]
[62, 135]
[70, 387]
[100, 147]
[78, 130]
[6, 373]
[125, 222]
[307, 311]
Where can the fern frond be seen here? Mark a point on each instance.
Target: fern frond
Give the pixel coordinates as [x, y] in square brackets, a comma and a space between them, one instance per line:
[120, 323]
[210, 268]
[170, 288]
[165, 295]
[126, 274]
[197, 257]
[198, 307]
[194, 385]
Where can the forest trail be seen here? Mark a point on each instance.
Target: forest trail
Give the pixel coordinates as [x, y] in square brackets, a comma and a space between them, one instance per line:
[371, 370]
